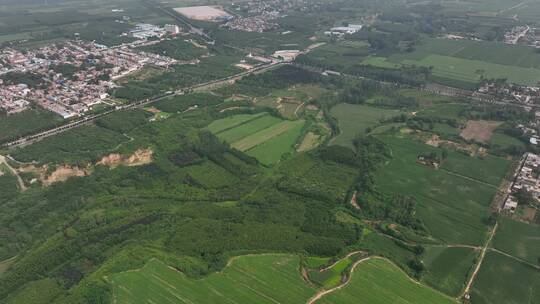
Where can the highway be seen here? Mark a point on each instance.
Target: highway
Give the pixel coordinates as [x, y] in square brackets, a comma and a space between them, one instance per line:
[89, 118]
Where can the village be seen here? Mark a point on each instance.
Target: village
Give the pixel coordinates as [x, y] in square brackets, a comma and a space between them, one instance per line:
[525, 189]
[70, 78]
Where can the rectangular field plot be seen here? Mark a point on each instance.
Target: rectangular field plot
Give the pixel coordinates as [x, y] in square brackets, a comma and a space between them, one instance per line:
[271, 279]
[447, 268]
[518, 239]
[232, 121]
[262, 136]
[377, 281]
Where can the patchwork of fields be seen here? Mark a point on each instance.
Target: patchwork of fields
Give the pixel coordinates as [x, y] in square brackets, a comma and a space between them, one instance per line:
[469, 61]
[262, 136]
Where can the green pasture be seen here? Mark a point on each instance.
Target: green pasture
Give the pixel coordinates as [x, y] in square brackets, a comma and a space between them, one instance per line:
[502, 279]
[519, 239]
[271, 278]
[378, 281]
[447, 268]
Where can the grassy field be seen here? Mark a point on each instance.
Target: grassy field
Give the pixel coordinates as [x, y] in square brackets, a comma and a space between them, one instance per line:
[451, 206]
[377, 281]
[504, 280]
[262, 136]
[518, 239]
[354, 119]
[447, 268]
[272, 278]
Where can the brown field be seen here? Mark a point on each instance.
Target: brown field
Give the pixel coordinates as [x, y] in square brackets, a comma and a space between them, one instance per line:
[479, 130]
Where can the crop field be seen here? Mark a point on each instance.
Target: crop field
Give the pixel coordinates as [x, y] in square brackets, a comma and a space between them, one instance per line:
[453, 207]
[272, 278]
[447, 268]
[468, 61]
[502, 279]
[262, 136]
[354, 119]
[518, 239]
[233, 135]
[490, 169]
[391, 284]
[229, 122]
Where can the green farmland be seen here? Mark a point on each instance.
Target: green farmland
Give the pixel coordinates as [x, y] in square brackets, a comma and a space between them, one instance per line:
[518, 239]
[245, 280]
[448, 268]
[451, 205]
[502, 279]
[262, 136]
[469, 61]
[389, 282]
[354, 119]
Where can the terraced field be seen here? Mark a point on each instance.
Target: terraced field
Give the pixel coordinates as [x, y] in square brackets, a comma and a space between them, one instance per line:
[262, 136]
[245, 280]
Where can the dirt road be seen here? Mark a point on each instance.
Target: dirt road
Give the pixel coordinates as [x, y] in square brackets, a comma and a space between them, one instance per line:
[22, 186]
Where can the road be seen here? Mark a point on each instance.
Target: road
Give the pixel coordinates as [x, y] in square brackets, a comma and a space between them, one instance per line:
[480, 260]
[90, 118]
[4, 162]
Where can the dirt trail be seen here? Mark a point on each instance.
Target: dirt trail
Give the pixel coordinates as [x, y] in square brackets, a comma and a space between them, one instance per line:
[22, 186]
[482, 255]
[515, 258]
[345, 257]
[322, 293]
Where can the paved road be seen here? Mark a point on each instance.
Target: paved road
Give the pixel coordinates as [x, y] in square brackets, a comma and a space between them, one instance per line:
[89, 118]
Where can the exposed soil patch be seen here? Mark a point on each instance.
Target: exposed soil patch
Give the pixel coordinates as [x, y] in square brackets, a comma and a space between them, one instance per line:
[63, 173]
[138, 158]
[436, 141]
[479, 130]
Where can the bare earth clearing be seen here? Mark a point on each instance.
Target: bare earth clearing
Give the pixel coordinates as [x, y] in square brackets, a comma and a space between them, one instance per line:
[64, 172]
[479, 130]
